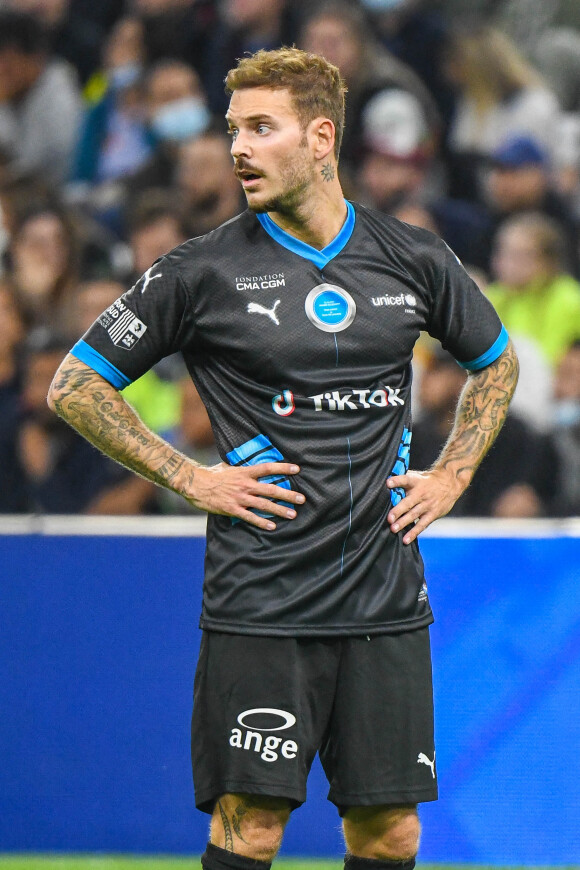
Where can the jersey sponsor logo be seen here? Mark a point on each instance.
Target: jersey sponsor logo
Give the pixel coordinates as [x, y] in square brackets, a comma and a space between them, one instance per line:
[254, 735]
[256, 308]
[423, 759]
[123, 327]
[423, 594]
[283, 404]
[330, 308]
[260, 282]
[402, 299]
[357, 399]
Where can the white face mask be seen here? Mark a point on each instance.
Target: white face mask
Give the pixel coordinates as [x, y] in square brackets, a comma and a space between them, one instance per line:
[181, 119]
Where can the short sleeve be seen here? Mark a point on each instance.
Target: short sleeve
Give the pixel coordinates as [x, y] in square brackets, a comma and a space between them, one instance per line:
[461, 317]
[144, 325]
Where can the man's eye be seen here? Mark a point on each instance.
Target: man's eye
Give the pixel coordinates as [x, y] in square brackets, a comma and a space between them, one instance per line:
[262, 128]
[233, 132]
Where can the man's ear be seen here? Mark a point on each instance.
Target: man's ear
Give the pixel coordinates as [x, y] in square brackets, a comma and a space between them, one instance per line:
[323, 136]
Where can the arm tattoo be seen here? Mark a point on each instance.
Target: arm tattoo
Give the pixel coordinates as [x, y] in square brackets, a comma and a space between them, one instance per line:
[480, 414]
[100, 414]
[327, 172]
[229, 844]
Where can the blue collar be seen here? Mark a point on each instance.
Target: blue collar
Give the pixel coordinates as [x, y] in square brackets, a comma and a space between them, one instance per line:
[319, 258]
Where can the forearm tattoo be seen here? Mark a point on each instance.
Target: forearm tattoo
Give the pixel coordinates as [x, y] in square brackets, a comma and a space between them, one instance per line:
[100, 414]
[480, 414]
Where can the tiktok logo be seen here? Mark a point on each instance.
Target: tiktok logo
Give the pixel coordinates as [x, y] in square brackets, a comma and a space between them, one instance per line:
[283, 404]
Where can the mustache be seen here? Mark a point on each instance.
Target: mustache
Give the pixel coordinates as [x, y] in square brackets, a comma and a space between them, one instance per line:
[243, 166]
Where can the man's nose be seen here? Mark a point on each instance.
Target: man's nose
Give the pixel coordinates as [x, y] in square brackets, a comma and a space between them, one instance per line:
[240, 146]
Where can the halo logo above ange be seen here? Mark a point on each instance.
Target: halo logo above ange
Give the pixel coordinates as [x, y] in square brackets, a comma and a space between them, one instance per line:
[266, 719]
[330, 308]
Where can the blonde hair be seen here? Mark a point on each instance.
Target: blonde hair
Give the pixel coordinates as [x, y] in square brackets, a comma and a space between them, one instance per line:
[316, 86]
[544, 233]
[493, 67]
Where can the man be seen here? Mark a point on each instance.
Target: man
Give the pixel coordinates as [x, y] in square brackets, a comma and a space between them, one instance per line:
[297, 320]
[40, 102]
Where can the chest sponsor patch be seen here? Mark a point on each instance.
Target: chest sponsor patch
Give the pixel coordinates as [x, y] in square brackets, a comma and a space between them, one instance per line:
[330, 308]
[123, 327]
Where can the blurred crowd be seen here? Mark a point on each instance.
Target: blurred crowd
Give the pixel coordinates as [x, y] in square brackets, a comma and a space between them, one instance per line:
[113, 151]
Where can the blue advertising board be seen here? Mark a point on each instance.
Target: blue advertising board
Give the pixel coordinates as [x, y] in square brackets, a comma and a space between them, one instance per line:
[98, 646]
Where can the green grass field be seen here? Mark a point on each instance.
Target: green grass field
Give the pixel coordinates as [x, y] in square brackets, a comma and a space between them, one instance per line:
[130, 862]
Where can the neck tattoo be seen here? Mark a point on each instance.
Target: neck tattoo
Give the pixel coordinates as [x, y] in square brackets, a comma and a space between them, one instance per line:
[327, 172]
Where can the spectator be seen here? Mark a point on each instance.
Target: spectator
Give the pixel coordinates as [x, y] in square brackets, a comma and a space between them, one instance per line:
[155, 225]
[416, 34]
[500, 96]
[339, 32]
[43, 262]
[179, 29]
[177, 112]
[71, 37]
[396, 169]
[40, 103]
[519, 178]
[205, 179]
[114, 139]
[509, 481]
[59, 471]
[532, 294]
[244, 26]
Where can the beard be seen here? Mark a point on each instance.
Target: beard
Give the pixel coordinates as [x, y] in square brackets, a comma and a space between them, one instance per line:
[296, 178]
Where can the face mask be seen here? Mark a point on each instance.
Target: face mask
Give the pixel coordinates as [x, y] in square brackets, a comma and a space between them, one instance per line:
[566, 412]
[181, 119]
[125, 76]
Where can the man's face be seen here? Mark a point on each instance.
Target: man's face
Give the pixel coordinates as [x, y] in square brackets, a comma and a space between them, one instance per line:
[510, 189]
[272, 157]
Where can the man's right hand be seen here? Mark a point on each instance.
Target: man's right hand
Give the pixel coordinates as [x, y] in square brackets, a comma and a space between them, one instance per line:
[237, 491]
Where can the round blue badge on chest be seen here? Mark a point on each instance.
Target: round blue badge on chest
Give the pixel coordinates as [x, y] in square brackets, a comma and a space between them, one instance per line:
[330, 308]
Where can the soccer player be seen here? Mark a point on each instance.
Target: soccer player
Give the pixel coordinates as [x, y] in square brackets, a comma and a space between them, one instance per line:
[297, 321]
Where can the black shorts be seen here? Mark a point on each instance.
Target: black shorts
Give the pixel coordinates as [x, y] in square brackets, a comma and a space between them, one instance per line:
[263, 707]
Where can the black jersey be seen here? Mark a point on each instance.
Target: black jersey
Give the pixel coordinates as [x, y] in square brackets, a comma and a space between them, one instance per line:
[304, 355]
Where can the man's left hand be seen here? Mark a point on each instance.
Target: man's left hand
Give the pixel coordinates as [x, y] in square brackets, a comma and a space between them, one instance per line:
[429, 495]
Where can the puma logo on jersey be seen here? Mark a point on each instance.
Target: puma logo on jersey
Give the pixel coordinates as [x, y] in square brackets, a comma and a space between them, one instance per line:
[148, 277]
[256, 308]
[422, 759]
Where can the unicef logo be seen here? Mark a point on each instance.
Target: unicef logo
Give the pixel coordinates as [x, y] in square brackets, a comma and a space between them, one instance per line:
[330, 308]
[410, 300]
[288, 720]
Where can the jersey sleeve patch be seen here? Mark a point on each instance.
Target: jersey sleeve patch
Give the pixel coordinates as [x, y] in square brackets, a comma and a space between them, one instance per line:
[490, 355]
[92, 358]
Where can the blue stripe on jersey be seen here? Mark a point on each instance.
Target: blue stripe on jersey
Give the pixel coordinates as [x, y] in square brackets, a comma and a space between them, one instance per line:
[490, 355]
[92, 358]
[319, 258]
[252, 452]
[401, 466]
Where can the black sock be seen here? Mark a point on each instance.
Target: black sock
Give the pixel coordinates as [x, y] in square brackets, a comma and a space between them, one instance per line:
[353, 862]
[215, 858]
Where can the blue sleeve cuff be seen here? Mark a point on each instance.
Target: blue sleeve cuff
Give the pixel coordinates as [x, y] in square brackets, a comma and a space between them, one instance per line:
[490, 355]
[92, 358]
